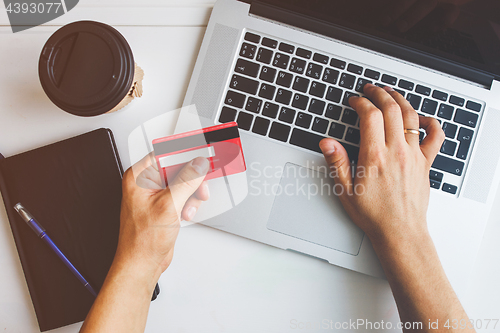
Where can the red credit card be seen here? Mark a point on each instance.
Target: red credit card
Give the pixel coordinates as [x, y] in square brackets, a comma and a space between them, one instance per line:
[220, 144]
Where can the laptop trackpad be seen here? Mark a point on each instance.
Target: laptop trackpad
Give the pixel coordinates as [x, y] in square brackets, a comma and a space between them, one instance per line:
[306, 207]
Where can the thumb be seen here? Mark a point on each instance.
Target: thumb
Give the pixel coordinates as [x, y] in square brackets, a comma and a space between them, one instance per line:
[340, 165]
[188, 181]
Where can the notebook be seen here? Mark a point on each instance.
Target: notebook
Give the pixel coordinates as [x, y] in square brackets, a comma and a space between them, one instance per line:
[73, 189]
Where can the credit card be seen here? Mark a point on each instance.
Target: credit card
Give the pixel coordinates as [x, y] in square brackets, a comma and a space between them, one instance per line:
[220, 144]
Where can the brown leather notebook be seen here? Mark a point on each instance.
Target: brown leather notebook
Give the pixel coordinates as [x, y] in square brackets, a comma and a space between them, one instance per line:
[73, 189]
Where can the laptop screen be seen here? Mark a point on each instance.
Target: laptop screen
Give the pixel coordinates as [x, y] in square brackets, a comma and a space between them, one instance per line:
[466, 32]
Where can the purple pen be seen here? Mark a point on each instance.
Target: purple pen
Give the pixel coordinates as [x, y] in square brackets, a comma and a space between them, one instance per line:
[40, 232]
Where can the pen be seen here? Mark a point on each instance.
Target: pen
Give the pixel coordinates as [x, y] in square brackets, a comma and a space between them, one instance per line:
[40, 232]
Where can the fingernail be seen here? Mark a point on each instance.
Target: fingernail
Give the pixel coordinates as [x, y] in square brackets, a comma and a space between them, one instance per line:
[200, 164]
[328, 152]
[387, 88]
[191, 212]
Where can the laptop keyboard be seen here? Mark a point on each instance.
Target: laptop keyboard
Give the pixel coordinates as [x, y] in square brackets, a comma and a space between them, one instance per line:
[298, 96]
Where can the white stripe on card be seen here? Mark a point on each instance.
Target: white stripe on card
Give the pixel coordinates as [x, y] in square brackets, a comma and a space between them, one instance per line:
[186, 156]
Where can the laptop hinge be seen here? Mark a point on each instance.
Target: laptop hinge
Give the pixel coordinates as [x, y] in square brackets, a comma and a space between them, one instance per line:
[331, 30]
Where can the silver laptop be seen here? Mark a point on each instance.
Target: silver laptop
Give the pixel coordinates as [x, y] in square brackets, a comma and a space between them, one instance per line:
[284, 71]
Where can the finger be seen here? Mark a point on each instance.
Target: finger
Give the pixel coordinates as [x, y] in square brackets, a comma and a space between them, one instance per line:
[187, 182]
[371, 122]
[190, 208]
[393, 119]
[150, 179]
[434, 139]
[410, 116]
[340, 165]
[142, 165]
[203, 192]
[415, 14]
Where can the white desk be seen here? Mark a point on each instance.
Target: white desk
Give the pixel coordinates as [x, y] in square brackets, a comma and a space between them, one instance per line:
[217, 282]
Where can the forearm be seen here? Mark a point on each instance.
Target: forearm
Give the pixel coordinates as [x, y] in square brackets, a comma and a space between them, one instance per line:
[419, 284]
[123, 302]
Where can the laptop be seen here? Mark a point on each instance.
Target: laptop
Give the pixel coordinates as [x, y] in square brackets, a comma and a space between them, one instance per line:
[284, 71]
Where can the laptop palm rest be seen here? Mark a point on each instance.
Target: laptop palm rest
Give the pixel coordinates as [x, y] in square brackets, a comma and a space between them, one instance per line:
[306, 207]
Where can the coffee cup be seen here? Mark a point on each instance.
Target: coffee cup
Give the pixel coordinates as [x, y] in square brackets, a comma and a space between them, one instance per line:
[87, 68]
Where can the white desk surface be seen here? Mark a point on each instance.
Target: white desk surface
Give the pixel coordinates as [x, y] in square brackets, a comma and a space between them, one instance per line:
[218, 282]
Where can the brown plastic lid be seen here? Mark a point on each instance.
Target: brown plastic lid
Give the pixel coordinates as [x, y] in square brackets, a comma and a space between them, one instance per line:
[86, 68]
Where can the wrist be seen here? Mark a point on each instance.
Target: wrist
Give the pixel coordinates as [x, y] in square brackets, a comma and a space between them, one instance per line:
[133, 267]
[400, 239]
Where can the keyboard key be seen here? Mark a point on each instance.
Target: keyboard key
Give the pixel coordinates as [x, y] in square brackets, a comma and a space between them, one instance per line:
[317, 107]
[352, 135]
[301, 84]
[252, 37]
[333, 111]
[306, 140]
[270, 110]
[268, 74]
[355, 69]
[369, 73]
[466, 118]
[267, 91]
[401, 92]
[429, 106]
[426, 91]
[435, 184]
[449, 165]
[450, 130]
[338, 63]
[348, 95]
[317, 89]
[246, 67]
[287, 115]
[473, 106]
[304, 53]
[300, 101]
[457, 100]
[303, 120]
[350, 117]
[243, 84]
[440, 95]
[334, 94]
[414, 100]
[283, 96]
[287, 48]
[336, 130]
[436, 175]
[279, 132]
[244, 121]
[235, 99]
[323, 59]
[347, 81]
[314, 70]
[448, 147]
[253, 105]
[261, 125]
[446, 111]
[361, 84]
[406, 84]
[389, 79]
[227, 115]
[281, 60]
[269, 42]
[284, 79]
[450, 188]
[298, 66]
[465, 138]
[264, 55]
[320, 125]
[331, 76]
[248, 50]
